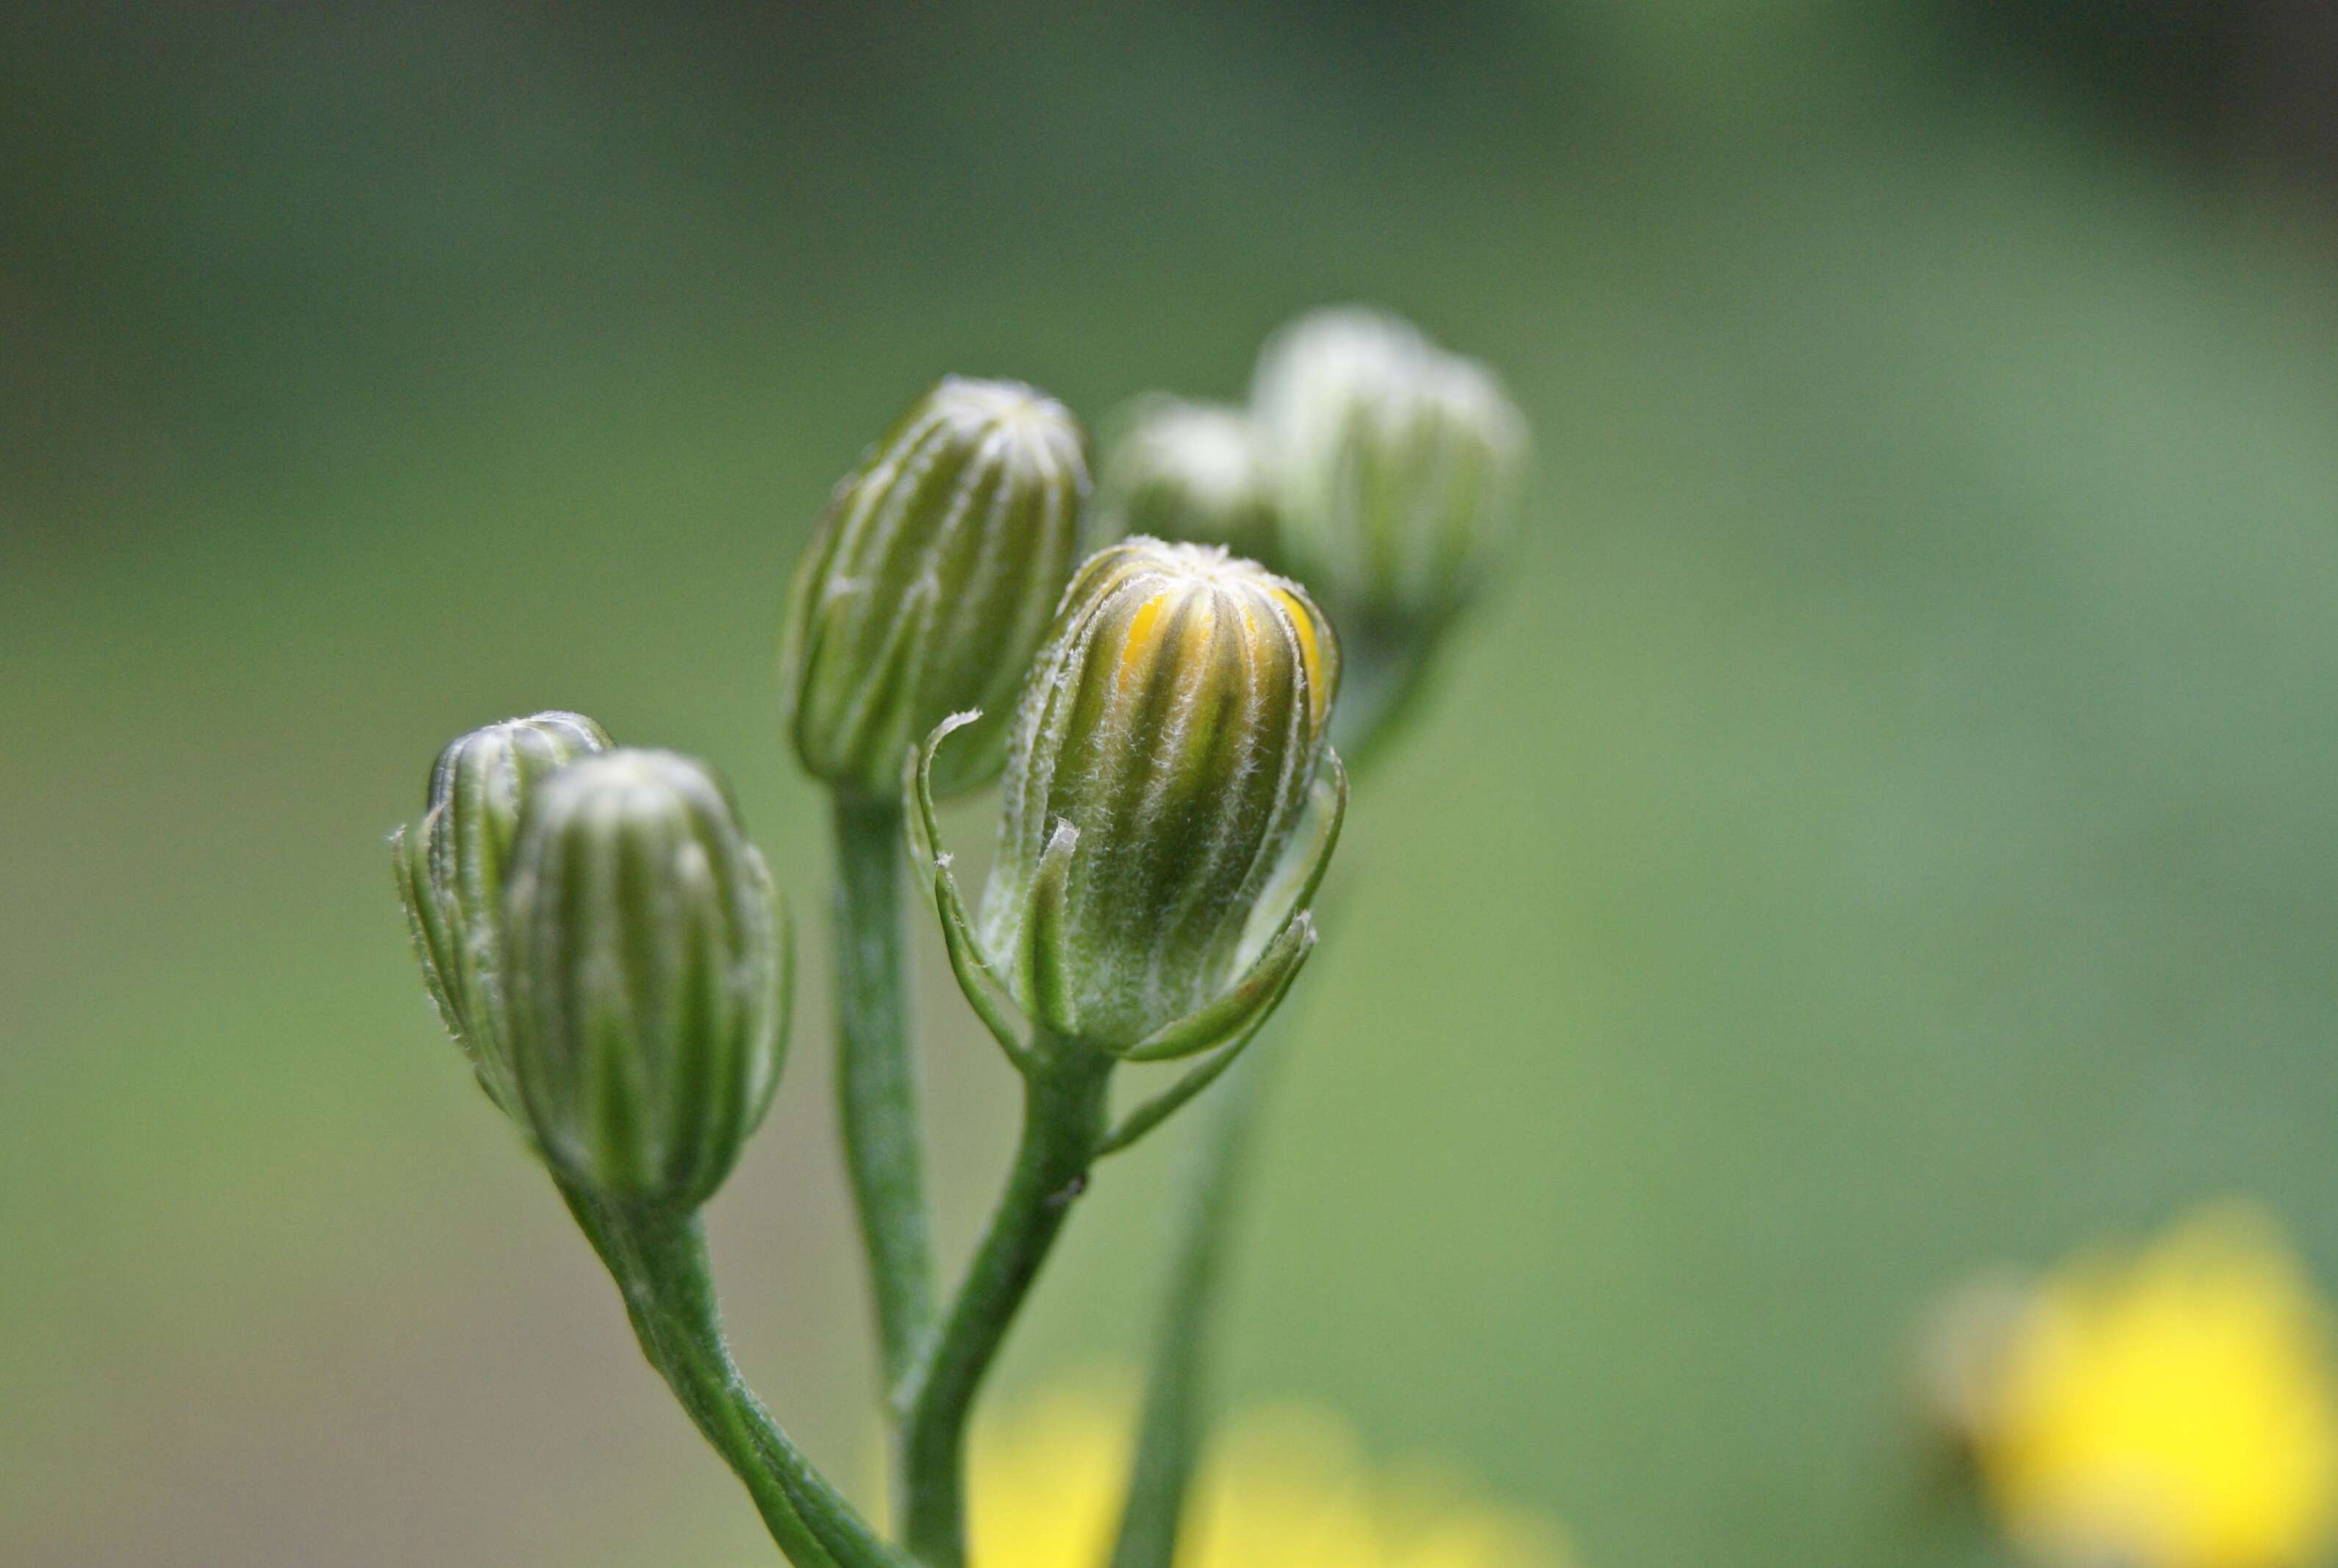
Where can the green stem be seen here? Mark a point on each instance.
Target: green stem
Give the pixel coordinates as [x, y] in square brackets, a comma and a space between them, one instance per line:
[876, 1078]
[1380, 687]
[1169, 1435]
[658, 1259]
[1064, 1119]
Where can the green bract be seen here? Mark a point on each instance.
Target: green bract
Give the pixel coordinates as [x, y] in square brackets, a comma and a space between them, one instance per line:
[1396, 464]
[930, 581]
[1189, 471]
[450, 873]
[649, 964]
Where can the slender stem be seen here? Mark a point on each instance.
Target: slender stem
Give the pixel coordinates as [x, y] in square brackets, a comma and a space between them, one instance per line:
[1169, 1435]
[658, 1258]
[1381, 684]
[1064, 1118]
[876, 1078]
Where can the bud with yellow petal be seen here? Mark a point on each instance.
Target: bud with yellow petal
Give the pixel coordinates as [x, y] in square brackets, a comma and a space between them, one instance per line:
[1171, 802]
[1189, 471]
[649, 961]
[1161, 763]
[1398, 466]
[450, 872]
[930, 581]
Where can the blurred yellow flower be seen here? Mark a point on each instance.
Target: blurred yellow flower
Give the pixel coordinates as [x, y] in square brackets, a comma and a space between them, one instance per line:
[2173, 1409]
[1282, 1488]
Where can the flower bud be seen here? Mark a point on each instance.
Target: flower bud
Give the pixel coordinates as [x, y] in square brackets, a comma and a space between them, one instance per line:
[1161, 761]
[930, 581]
[450, 873]
[1398, 466]
[648, 976]
[1189, 471]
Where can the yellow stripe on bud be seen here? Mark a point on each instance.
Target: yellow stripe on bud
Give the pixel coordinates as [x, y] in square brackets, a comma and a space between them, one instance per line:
[1309, 653]
[1143, 633]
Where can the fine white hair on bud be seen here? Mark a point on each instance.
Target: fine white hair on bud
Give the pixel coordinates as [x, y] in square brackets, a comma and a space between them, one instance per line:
[930, 583]
[649, 960]
[1159, 766]
[1398, 466]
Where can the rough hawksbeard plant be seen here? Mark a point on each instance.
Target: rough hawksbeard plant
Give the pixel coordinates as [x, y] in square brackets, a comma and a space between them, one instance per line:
[1165, 718]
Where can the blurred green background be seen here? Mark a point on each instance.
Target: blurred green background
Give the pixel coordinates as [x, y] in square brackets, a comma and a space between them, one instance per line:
[1887, 823]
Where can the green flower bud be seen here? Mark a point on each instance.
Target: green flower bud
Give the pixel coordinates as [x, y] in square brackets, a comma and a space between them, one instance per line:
[648, 976]
[1189, 471]
[450, 873]
[1162, 759]
[1398, 465]
[930, 581]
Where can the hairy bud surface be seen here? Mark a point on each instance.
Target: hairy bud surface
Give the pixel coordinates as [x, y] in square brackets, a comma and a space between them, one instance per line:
[1161, 760]
[650, 977]
[930, 581]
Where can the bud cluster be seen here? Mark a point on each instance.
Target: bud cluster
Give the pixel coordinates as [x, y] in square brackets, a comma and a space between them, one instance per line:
[1369, 464]
[606, 948]
[613, 955]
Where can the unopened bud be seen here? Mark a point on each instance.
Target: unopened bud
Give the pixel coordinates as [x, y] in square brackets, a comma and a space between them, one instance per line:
[1398, 466]
[1192, 472]
[649, 966]
[1162, 759]
[450, 872]
[930, 581]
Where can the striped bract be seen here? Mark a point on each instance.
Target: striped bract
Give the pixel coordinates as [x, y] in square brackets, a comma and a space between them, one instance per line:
[649, 966]
[930, 581]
